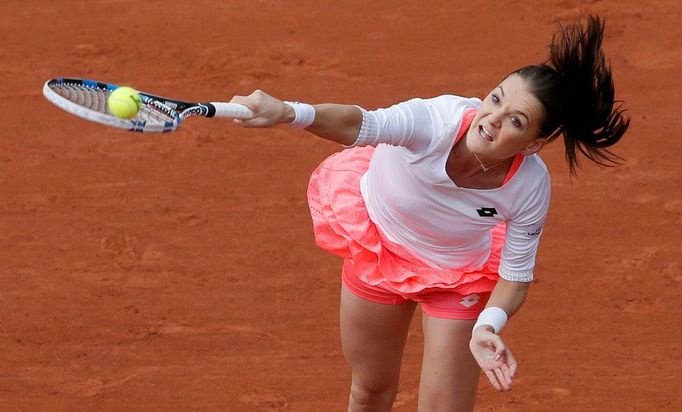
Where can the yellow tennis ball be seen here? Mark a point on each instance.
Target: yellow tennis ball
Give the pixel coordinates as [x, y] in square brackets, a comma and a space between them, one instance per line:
[124, 102]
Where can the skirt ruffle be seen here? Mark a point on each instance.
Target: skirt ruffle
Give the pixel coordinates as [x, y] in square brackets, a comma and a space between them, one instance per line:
[342, 226]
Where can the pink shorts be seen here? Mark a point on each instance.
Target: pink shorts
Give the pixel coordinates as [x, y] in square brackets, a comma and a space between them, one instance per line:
[376, 268]
[438, 303]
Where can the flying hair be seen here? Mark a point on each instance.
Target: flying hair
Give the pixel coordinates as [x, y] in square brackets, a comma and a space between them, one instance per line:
[576, 89]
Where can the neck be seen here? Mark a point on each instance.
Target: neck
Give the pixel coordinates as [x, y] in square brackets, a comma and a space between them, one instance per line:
[472, 164]
[485, 167]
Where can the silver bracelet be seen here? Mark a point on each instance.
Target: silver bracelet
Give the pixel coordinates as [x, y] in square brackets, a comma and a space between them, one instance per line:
[305, 114]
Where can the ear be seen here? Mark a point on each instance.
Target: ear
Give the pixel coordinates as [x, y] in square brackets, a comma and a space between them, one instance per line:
[535, 146]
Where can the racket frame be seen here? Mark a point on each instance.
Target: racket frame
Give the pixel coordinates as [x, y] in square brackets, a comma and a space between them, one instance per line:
[176, 110]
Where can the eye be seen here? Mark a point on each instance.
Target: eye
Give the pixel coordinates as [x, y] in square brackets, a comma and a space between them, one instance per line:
[495, 98]
[516, 122]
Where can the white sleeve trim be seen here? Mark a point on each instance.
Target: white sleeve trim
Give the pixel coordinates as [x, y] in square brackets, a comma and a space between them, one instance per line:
[369, 129]
[408, 124]
[515, 276]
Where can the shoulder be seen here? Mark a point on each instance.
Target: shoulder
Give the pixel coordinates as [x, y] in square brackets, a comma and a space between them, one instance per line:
[530, 191]
[450, 103]
[536, 180]
[448, 110]
[446, 104]
[537, 169]
[532, 180]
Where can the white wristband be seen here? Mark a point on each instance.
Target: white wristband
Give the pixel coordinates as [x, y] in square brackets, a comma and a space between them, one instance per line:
[305, 114]
[492, 316]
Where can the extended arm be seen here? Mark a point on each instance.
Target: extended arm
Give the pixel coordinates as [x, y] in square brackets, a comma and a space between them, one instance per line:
[336, 122]
[408, 124]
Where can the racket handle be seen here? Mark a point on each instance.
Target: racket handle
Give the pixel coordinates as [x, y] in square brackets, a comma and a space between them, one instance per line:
[232, 110]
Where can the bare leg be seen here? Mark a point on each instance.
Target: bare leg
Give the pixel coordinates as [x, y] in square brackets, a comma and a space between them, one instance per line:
[449, 372]
[373, 337]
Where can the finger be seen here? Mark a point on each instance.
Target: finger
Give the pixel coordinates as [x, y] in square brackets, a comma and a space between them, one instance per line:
[507, 373]
[244, 101]
[503, 381]
[500, 352]
[237, 99]
[511, 361]
[493, 380]
[500, 347]
[258, 93]
[250, 123]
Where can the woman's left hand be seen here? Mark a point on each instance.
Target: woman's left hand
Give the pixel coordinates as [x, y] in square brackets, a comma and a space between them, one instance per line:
[493, 356]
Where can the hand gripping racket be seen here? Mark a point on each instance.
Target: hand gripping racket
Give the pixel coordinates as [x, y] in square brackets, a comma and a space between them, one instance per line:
[88, 99]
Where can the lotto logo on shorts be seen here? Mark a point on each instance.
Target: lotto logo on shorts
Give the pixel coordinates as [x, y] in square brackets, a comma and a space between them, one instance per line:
[470, 300]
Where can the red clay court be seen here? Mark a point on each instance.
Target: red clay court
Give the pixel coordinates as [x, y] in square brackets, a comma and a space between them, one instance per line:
[171, 272]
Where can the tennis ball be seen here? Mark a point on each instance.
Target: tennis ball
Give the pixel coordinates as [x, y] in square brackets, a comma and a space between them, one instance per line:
[124, 102]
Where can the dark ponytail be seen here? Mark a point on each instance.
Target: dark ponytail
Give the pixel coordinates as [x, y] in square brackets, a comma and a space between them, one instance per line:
[577, 92]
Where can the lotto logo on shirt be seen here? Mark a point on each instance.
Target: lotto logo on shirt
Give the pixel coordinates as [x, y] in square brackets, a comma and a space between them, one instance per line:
[486, 211]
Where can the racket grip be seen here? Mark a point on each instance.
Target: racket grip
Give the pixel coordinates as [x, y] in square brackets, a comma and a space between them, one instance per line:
[232, 110]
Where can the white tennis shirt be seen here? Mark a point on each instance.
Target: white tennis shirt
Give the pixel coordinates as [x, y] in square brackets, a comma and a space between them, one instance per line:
[413, 201]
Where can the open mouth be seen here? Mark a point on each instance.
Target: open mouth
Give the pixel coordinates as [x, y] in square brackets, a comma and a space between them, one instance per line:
[484, 133]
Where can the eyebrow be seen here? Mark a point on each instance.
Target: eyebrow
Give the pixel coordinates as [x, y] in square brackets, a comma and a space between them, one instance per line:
[518, 111]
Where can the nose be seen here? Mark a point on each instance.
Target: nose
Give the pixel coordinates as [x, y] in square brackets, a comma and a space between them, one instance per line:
[496, 117]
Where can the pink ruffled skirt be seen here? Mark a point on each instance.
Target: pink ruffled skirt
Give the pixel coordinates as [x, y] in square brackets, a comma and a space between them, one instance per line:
[343, 227]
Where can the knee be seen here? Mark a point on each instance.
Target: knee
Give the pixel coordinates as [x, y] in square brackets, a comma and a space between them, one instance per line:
[372, 397]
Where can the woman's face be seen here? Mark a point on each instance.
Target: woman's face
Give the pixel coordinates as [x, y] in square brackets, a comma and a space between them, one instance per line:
[508, 122]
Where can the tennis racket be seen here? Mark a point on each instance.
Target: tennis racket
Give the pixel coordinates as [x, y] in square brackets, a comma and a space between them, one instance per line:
[88, 99]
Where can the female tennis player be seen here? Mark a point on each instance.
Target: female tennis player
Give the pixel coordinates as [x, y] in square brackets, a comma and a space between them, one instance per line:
[441, 202]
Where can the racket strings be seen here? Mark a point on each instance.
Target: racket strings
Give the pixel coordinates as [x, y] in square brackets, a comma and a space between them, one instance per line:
[96, 99]
[89, 97]
[158, 109]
